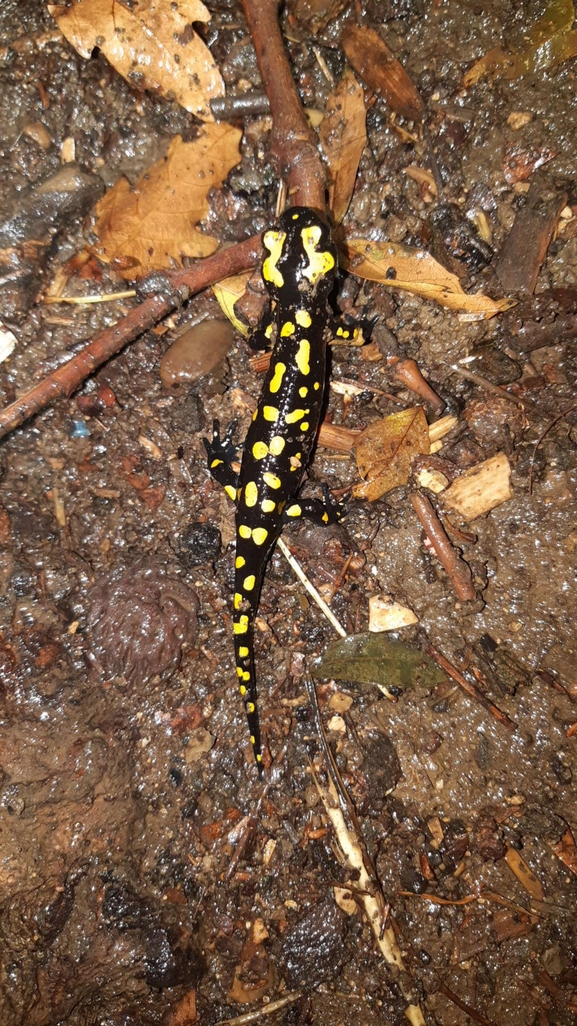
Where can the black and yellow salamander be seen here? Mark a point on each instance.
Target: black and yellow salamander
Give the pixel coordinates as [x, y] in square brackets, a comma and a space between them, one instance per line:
[299, 272]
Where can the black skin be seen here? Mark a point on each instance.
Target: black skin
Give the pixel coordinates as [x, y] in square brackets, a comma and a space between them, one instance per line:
[299, 273]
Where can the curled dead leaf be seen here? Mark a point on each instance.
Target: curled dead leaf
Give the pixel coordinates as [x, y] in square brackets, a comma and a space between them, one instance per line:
[153, 225]
[385, 451]
[343, 138]
[416, 271]
[377, 65]
[153, 46]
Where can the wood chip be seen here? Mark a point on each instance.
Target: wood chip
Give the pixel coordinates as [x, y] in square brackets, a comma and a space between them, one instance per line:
[387, 615]
[525, 875]
[481, 489]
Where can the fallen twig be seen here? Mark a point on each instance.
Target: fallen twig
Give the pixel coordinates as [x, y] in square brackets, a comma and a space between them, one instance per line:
[273, 1006]
[298, 570]
[180, 284]
[470, 689]
[458, 571]
[293, 142]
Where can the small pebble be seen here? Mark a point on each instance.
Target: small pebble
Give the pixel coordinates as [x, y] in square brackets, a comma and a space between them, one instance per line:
[196, 352]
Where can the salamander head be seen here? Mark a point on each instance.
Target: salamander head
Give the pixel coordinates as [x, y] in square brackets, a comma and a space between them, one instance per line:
[301, 256]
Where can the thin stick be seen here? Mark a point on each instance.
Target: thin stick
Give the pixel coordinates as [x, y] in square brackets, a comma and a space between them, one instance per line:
[298, 570]
[293, 142]
[85, 300]
[477, 379]
[458, 571]
[180, 284]
[470, 689]
[273, 1006]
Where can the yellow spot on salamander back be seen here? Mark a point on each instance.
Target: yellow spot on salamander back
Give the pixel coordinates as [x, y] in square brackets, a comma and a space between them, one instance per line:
[237, 601]
[303, 392]
[241, 626]
[303, 356]
[244, 531]
[246, 675]
[319, 262]
[242, 689]
[259, 536]
[294, 415]
[294, 510]
[239, 671]
[272, 481]
[239, 561]
[287, 330]
[252, 740]
[316, 386]
[304, 425]
[268, 506]
[276, 380]
[274, 242]
[270, 413]
[303, 319]
[251, 494]
[276, 445]
[260, 450]
[250, 707]
[231, 492]
[248, 583]
[269, 330]
[243, 652]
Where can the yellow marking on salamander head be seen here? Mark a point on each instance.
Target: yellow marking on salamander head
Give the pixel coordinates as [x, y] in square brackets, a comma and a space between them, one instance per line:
[231, 492]
[276, 445]
[276, 380]
[294, 415]
[287, 330]
[259, 535]
[251, 494]
[268, 506]
[244, 531]
[241, 626]
[270, 413]
[294, 510]
[239, 561]
[274, 242]
[260, 450]
[271, 480]
[303, 319]
[303, 356]
[249, 582]
[319, 262]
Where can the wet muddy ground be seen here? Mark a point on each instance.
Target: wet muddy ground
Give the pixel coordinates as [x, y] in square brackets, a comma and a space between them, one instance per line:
[126, 778]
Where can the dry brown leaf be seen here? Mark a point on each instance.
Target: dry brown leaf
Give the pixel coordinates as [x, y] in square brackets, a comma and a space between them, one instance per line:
[370, 56]
[548, 41]
[153, 46]
[565, 850]
[343, 138]
[228, 292]
[386, 449]
[416, 271]
[152, 226]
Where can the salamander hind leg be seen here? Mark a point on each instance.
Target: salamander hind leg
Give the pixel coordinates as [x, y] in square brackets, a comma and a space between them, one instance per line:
[325, 511]
[221, 453]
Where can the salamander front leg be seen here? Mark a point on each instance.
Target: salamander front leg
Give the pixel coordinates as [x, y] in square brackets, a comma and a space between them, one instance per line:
[325, 511]
[221, 453]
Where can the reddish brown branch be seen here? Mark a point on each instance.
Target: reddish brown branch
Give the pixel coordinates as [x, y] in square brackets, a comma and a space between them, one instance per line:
[67, 378]
[407, 373]
[458, 571]
[470, 689]
[293, 141]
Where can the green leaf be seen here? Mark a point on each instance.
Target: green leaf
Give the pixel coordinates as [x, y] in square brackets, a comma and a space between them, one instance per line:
[375, 658]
